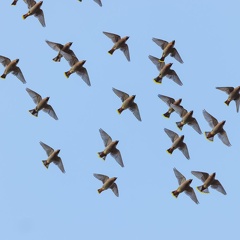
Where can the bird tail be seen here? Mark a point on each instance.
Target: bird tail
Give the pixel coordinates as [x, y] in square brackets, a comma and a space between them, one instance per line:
[167, 114]
[209, 136]
[45, 163]
[202, 189]
[102, 155]
[170, 150]
[111, 51]
[179, 125]
[161, 59]
[25, 16]
[100, 190]
[67, 74]
[4, 75]
[14, 2]
[120, 110]
[227, 102]
[57, 58]
[157, 80]
[34, 112]
[175, 193]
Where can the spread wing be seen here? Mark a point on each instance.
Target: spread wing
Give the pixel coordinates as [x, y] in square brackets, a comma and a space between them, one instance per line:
[55, 46]
[183, 148]
[200, 175]
[18, 73]
[190, 192]
[115, 189]
[176, 55]
[171, 134]
[30, 3]
[101, 177]
[224, 138]
[4, 61]
[227, 90]
[134, 109]
[115, 153]
[161, 43]
[40, 16]
[59, 163]
[48, 149]
[49, 110]
[173, 75]
[122, 95]
[166, 99]
[156, 62]
[35, 96]
[114, 37]
[179, 176]
[84, 75]
[105, 137]
[125, 50]
[179, 110]
[194, 124]
[210, 119]
[218, 186]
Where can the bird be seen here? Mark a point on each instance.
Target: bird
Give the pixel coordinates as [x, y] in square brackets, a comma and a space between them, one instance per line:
[59, 47]
[42, 104]
[107, 183]
[169, 101]
[217, 128]
[119, 43]
[128, 103]
[233, 94]
[187, 118]
[184, 186]
[110, 147]
[168, 48]
[52, 157]
[177, 143]
[14, 2]
[35, 9]
[97, 1]
[208, 180]
[165, 71]
[11, 66]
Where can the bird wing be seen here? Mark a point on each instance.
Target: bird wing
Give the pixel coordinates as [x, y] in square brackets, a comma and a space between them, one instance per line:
[72, 59]
[166, 99]
[48, 149]
[120, 94]
[171, 134]
[105, 137]
[227, 90]
[194, 124]
[183, 148]
[49, 110]
[134, 109]
[18, 73]
[210, 119]
[101, 177]
[156, 62]
[190, 192]
[218, 186]
[84, 75]
[200, 175]
[40, 16]
[125, 50]
[176, 55]
[30, 3]
[179, 176]
[161, 43]
[35, 96]
[237, 101]
[179, 110]
[115, 189]
[4, 61]
[115, 153]
[55, 46]
[224, 138]
[114, 37]
[173, 75]
[59, 163]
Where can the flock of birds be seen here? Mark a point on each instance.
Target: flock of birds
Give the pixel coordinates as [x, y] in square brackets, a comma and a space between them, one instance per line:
[165, 70]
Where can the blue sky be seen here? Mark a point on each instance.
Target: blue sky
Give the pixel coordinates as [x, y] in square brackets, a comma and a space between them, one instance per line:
[37, 203]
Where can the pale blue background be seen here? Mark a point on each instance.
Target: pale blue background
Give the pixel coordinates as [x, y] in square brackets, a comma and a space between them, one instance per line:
[37, 203]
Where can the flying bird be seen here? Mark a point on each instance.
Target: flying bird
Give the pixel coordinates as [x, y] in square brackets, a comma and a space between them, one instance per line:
[119, 43]
[165, 70]
[59, 47]
[110, 147]
[128, 103]
[107, 183]
[169, 101]
[187, 118]
[97, 1]
[35, 9]
[208, 180]
[168, 48]
[217, 128]
[177, 143]
[52, 157]
[42, 104]
[184, 186]
[233, 94]
[11, 66]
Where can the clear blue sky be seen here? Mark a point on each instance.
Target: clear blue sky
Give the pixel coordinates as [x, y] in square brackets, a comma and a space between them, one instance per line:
[39, 203]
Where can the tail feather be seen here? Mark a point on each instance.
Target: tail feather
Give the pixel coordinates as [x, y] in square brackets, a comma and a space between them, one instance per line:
[111, 51]
[45, 163]
[157, 80]
[161, 59]
[25, 16]
[120, 110]
[167, 114]
[209, 136]
[4, 75]
[175, 193]
[227, 102]
[57, 59]
[67, 74]
[202, 189]
[34, 112]
[100, 190]
[179, 125]
[170, 150]
[102, 155]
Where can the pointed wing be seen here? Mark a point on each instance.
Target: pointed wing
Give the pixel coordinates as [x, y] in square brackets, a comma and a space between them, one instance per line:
[101, 177]
[200, 175]
[35, 96]
[173, 75]
[210, 119]
[227, 90]
[125, 50]
[49, 110]
[161, 43]
[48, 149]
[237, 101]
[166, 99]
[4, 61]
[190, 192]
[183, 148]
[114, 37]
[171, 134]
[59, 163]
[194, 124]
[156, 62]
[72, 59]
[105, 137]
[115, 189]
[18, 73]
[179, 176]
[30, 3]
[40, 16]
[115, 153]
[218, 186]
[84, 75]
[120, 94]
[224, 138]
[176, 55]
[179, 110]
[55, 46]
[134, 109]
